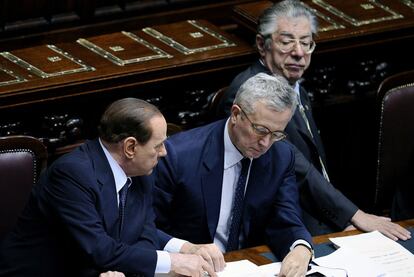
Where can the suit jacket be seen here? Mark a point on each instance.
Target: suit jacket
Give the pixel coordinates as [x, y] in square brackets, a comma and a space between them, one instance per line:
[70, 225]
[325, 209]
[188, 191]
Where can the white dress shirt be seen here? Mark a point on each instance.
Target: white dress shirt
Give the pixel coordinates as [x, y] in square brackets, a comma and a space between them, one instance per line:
[232, 168]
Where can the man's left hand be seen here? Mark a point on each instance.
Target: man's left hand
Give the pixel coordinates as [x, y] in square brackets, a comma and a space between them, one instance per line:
[209, 252]
[369, 222]
[295, 264]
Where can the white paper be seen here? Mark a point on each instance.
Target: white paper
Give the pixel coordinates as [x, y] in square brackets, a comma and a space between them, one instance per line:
[386, 254]
[347, 262]
[242, 268]
[329, 272]
[270, 270]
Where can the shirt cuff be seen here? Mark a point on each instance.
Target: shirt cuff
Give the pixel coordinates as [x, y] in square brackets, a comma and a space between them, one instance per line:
[304, 243]
[174, 245]
[163, 262]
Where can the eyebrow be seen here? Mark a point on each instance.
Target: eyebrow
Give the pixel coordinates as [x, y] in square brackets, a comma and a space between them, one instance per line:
[161, 143]
[290, 35]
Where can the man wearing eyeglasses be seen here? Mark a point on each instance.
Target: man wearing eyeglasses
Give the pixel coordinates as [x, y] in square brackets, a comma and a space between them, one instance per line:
[285, 44]
[232, 182]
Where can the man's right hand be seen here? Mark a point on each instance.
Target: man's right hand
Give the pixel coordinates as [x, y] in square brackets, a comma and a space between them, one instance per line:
[190, 265]
[210, 253]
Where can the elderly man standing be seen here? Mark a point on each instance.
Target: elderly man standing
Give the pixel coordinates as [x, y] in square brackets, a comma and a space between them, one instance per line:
[233, 183]
[285, 44]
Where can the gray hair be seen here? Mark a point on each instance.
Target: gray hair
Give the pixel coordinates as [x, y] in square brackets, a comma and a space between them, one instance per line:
[273, 91]
[267, 24]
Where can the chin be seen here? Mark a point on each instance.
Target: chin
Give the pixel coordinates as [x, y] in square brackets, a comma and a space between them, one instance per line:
[149, 172]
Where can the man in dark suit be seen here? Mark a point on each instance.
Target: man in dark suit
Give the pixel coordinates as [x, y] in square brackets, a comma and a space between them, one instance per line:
[285, 44]
[89, 213]
[197, 193]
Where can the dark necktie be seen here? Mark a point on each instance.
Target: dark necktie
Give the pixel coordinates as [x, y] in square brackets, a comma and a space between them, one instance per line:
[122, 201]
[237, 210]
[305, 118]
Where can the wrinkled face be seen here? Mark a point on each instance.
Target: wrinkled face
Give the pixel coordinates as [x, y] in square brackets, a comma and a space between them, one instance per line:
[145, 157]
[244, 137]
[290, 64]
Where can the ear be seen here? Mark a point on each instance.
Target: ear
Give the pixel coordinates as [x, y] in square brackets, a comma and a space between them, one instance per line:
[260, 44]
[129, 147]
[235, 111]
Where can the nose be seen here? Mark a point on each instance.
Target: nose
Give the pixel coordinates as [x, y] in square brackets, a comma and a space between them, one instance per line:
[298, 50]
[163, 151]
[265, 141]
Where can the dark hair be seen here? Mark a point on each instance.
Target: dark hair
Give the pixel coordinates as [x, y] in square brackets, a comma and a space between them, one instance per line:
[127, 117]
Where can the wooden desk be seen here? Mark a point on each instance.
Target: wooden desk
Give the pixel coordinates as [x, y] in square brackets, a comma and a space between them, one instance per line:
[254, 254]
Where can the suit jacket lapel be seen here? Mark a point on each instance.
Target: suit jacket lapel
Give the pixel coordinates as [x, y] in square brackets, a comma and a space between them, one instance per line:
[212, 177]
[106, 180]
[316, 140]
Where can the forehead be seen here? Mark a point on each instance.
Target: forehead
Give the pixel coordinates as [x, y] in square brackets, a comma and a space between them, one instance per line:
[270, 118]
[297, 26]
[158, 126]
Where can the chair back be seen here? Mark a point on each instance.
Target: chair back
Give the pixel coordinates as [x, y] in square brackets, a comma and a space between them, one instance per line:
[21, 160]
[395, 163]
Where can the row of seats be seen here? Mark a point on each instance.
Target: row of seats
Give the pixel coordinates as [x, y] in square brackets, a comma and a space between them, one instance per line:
[22, 158]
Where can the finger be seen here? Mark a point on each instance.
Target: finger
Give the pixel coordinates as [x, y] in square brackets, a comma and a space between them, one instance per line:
[390, 235]
[206, 256]
[398, 231]
[218, 258]
[219, 263]
[402, 234]
[209, 270]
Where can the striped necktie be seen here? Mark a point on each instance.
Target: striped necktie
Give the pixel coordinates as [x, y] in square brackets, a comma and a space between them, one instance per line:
[237, 210]
[122, 201]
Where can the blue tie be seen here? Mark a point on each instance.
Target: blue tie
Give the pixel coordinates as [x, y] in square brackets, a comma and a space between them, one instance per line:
[122, 201]
[237, 210]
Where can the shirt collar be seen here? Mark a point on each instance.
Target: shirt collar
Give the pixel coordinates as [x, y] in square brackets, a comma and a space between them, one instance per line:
[231, 154]
[119, 174]
[296, 87]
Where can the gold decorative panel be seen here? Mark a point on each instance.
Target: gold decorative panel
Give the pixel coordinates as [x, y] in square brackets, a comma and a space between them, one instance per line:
[359, 13]
[326, 23]
[189, 37]
[409, 3]
[8, 77]
[47, 61]
[123, 48]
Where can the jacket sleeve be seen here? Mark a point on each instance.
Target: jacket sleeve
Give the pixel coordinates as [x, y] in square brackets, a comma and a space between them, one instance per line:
[319, 197]
[164, 190]
[286, 226]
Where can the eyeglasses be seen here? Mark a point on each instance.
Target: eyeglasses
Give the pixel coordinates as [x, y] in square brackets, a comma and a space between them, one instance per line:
[263, 131]
[287, 45]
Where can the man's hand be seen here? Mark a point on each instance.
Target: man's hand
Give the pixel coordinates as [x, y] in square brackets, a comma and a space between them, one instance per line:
[190, 265]
[295, 264]
[209, 252]
[112, 274]
[369, 222]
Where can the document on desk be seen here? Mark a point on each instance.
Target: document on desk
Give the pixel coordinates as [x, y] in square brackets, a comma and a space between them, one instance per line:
[245, 268]
[372, 253]
[242, 268]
